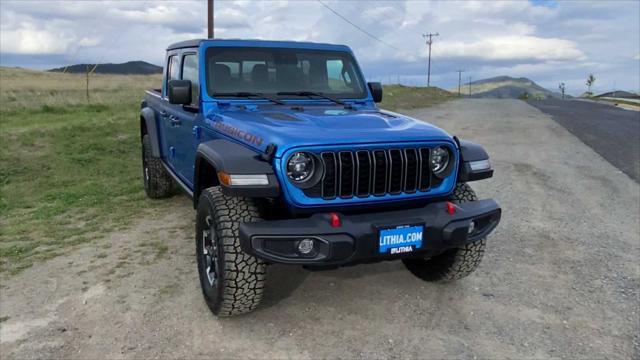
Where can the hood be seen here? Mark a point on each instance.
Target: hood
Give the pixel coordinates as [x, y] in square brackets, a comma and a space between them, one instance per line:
[324, 126]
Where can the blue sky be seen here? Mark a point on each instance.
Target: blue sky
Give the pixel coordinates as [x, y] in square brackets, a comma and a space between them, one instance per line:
[545, 40]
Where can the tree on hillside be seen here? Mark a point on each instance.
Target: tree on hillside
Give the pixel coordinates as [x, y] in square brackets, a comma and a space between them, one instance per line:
[590, 80]
[562, 87]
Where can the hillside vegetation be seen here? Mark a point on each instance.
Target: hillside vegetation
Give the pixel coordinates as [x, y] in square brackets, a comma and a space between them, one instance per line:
[399, 97]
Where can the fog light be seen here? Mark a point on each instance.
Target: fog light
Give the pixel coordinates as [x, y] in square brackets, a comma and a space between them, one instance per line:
[472, 227]
[305, 246]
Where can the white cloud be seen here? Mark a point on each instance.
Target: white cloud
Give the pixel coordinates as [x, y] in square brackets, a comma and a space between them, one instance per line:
[529, 48]
[26, 38]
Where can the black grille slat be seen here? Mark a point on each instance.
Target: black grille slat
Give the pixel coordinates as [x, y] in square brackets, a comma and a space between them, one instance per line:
[329, 179]
[396, 172]
[364, 173]
[411, 170]
[424, 182]
[380, 165]
[346, 173]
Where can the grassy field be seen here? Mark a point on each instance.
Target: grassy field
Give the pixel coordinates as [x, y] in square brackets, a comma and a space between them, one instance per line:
[70, 168]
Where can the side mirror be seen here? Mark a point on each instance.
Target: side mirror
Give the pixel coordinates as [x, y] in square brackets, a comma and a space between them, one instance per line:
[179, 92]
[376, 91]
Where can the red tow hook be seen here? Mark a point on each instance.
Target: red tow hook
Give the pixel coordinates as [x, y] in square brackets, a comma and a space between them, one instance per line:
[334, 220]
[451, 208]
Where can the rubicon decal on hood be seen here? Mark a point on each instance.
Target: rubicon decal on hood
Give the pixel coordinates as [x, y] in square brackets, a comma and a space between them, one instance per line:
[239, 134]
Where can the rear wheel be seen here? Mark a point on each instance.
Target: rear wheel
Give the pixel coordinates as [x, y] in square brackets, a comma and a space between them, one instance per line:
[455, 263]
[232, 281]
[157, 182]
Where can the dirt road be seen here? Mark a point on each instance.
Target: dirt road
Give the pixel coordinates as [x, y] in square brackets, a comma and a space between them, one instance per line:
[560, 278]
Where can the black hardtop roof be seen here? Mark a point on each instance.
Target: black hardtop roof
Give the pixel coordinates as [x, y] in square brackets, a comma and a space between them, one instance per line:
[196, 43]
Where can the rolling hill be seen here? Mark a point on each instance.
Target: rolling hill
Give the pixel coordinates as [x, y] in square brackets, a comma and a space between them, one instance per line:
[506, 87]
[128, 68]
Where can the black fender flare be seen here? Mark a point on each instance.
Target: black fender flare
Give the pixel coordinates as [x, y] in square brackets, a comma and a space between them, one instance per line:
[472, 152]
[148, 116]
[233, 159]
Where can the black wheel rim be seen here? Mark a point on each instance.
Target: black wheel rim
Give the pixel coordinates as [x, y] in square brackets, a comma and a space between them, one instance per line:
[210, 251]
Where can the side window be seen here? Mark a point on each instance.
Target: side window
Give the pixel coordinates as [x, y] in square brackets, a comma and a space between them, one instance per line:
[190, 72]
[173, 71]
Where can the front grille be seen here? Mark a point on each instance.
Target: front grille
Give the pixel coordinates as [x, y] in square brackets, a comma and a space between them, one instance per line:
[363, 173]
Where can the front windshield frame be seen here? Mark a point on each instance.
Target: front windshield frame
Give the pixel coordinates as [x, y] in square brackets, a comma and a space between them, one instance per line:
[359, 89]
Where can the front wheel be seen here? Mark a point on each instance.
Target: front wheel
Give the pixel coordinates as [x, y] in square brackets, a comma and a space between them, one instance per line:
[232, 281]
[455, 263]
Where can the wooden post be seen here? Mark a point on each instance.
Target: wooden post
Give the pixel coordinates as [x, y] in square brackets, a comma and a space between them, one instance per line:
[210, 19]
[87, 84]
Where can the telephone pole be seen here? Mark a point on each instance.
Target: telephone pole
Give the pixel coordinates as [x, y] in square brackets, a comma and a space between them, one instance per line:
[429, 42]
[469, 85]
[459, 79]
[209, 19]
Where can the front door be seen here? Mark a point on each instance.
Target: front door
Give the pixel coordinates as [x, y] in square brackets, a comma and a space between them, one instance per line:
[178, 120]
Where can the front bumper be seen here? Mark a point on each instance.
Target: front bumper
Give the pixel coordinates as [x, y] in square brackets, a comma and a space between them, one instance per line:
[356, 239]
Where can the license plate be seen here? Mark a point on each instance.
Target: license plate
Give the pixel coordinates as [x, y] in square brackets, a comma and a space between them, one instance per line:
[400, 239]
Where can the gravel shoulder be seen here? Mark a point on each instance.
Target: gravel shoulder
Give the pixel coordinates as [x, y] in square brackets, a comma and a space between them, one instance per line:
[560, 278]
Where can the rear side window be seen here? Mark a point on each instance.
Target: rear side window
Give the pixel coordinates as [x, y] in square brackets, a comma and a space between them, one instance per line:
[190, 72]
[173, 71]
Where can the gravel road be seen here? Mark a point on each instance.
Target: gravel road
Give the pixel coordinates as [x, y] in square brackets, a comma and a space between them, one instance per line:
[560, 278]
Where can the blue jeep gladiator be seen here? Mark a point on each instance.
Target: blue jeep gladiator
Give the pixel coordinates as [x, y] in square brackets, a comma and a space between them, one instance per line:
[288, 160]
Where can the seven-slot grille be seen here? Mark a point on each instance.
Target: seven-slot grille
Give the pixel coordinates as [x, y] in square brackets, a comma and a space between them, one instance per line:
[373, 172]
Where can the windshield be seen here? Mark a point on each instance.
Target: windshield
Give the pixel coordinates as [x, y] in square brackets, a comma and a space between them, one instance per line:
[271, 71]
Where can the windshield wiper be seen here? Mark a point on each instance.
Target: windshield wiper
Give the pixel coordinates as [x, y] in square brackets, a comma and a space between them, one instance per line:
[247, 95]
[317, 94]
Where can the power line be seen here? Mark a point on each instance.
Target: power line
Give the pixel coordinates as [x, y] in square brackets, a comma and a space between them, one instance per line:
[358, 27]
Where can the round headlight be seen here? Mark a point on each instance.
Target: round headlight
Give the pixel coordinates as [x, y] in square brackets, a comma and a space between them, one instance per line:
[439, 159]
[300, 166]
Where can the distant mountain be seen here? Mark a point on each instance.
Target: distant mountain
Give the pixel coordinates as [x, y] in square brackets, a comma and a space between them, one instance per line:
[128, 68]
[506, 87]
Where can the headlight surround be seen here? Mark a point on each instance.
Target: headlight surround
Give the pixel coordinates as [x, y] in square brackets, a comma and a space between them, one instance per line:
[440, 161]
[301, 167]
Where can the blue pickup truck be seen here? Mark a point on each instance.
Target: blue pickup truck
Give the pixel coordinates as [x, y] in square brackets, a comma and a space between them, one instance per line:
[289, 160]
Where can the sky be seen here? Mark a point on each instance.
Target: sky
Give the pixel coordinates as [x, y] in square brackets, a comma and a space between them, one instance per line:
[547, 41]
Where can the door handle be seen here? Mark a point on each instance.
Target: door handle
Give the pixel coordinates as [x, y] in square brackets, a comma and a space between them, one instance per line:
[175, 121]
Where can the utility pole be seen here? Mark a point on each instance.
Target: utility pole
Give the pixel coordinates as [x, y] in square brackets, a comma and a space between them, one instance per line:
[469, 86]
[429, 42]
[210, 19]
[459, 79]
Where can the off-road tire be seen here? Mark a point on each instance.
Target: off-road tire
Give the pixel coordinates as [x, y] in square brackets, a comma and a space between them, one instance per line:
[239, 277]
[456, 263]
[158, 183]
